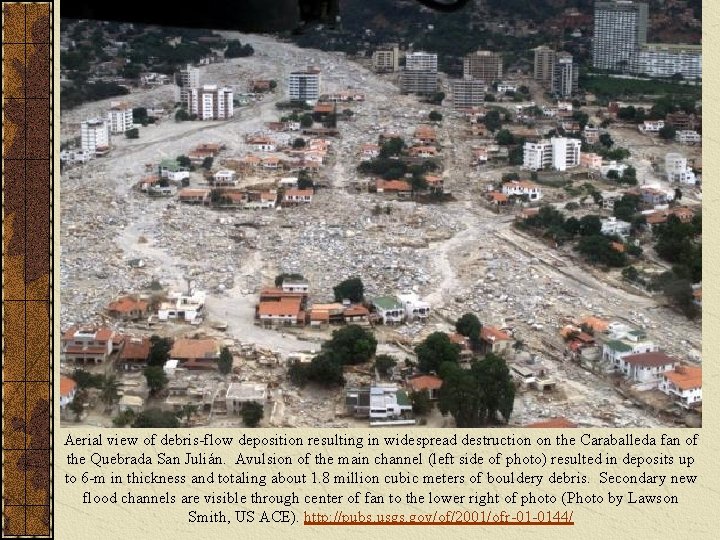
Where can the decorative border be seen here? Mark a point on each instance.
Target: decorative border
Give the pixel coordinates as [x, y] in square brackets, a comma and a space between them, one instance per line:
[27, 256]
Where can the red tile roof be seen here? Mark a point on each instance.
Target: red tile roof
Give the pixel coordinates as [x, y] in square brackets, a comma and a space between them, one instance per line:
[685, 377]
[490, 333]
[650, 359]
[285, 306]
[67, 386]
[127, 304]
[425, 382]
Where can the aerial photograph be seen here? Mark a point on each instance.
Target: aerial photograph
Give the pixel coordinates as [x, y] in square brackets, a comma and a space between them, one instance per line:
[476, 216]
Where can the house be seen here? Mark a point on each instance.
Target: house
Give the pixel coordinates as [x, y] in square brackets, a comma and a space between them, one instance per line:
[172, 170]
[239, 393]
[591, 134]
[287, 310]
[618, 348]
[389, 309]
[261, 199]
[590, 160]
[356, 314]
[224, 178]
[401, 187]
[435, 183]
[595, 323]
[677, 169]
[87, 344]
[613, 165]
[262, 144]
[132, 403]
[423, 151]
[295, 286]
[653, 197]
[687, 136]
[128, 308]
[415, 309]
[322, 314]
[68, 387]
[615, 226]
[656, 217]
[135, 352]
[425, 134]
[378, 402]
[479, 157]
[288, 182]
[194, 195]
[493, 340]
[648, 367]
[369, 151]
[430, 384]
[683, 384]
[522, 188]
[651, 126]
[293, 197]
[195, 353]
[187, 308]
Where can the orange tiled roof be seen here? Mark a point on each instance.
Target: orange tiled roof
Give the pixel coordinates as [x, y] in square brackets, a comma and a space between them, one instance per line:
[650, 359]
[135, 349]
[490, 333]
[186, 349]
[356, 311]
[298, 192]
[393, 185]
[425, 382]
[598, 325]
[685, 377]
[67, 386]
[126, 304]
[285, 306]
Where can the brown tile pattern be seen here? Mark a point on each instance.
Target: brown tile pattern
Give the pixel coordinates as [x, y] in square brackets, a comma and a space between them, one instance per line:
[27, 387]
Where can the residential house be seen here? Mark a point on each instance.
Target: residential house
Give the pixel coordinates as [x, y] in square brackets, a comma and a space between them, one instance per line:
[195, 353]
[261, 199]
[134, 353]
[194, 195]
[656, 217]
[295, 286]
[389, 309]
[128, 308]
[172, 170]
[625, 344]
[68, 388]
[425, 134]
[87, 344]
[493, 340]
[615, 226]
[356, 314]
[270, 163]
[652, 197]
[288, 182]
[522, 188]
[293, 197]
[369, 151]
[684, 385]
[479, 157]
[401, 187]
[324, 314]
[285, 311]
[239, 393]
[651, 126]
[132, 403]
[619, 168]
[415, 309]
[590, 160]
[647, 368]
[677, 169]
[423, 151]
[687, 136]
[430, 384]
[591, 134]
[261, 144]
[379, 402]
[497, 199]
[224, 178]
[188, 308]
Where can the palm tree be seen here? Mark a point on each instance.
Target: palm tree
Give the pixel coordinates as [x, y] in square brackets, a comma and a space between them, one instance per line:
[187, 410]
[109, 392]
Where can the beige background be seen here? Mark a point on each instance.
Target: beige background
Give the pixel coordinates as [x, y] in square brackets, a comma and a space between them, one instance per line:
[695, 517]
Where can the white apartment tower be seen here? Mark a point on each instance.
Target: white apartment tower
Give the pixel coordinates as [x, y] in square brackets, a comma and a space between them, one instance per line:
[120, 118]
[620, 33]
[304, 85]
[544, 64]
[564, 75]
[209, 102]
[94, 136]
[484, 65]
[560, 153]
[677, 170]
[666, 60]
[187, 78]
[421, 61]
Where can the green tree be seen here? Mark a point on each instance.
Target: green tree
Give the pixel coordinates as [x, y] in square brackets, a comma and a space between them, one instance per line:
[299, 142]
[304, 180]
[629, 176]
[183, 161]
[351, 344]
[384, 363]
[236, 50]
[325, 369]
[420, 402]
[351, 289]
[124, 418]
[85, 379]
[181, 115]
[606, 140]
[612, 174]
[667, 132]
[435, 350]
[155, 418]
[156, 379]
[207, 163]
[132, 133]
[504, 137]
[469, 326]
[77, 405]
[306, 120]
[394, 146]
[492, 120]
[590, 225]
[435, 116]
[140, 115]
[279, 279]
[225, 362]
[159, 351]
[109, 393]
[273, 84]
[252, 412]
[187, 410]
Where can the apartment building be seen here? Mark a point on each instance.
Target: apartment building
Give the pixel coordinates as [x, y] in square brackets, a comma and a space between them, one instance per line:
[187, 78]
[120, 118]
[565, 73]
[210, 102]
[468, 94]
[620, 32]
[677, 170]
[386, 59]
[421, 61]
[484, 65]
[304, 85]
[544, 64]
[418, 82]
[666, 60]
[560, 153]
[95, 136]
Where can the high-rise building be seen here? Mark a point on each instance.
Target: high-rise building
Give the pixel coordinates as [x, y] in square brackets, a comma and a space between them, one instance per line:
[484, 65]
[209, 102]
[620, 33]
[560, 153]
[94, 136]
[304, 85]
[423, 83]
[564, 75]
[666, 60]
[120, 117]
[544, 63]
[385, 59]
[421, 61]
[468, 93]
[187, 78]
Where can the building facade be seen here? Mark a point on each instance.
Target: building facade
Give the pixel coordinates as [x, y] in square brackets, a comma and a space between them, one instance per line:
[560, 153]
[544, 63]
[484, 65]
[421, 61]
[95, 136]
[468, 93]
[385, 59]
[666, 60]
[304, 85]
[564, 76]
[120, 118]
[187, 78]
[418, 82]
[620, 33]
[209, 102]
